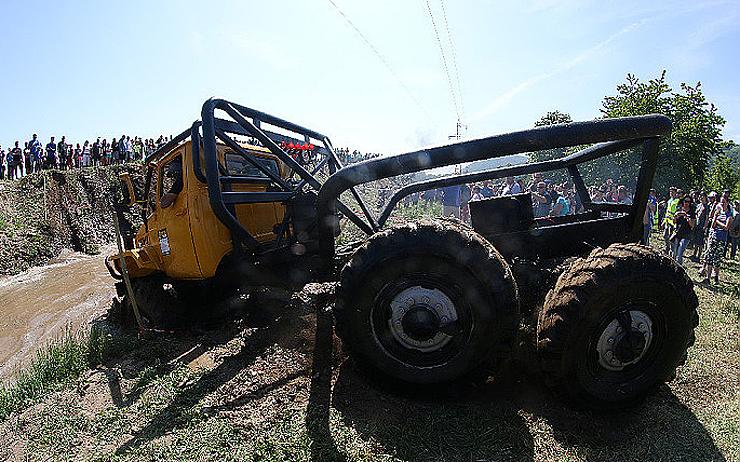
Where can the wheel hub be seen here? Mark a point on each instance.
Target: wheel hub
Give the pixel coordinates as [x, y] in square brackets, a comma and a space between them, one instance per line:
[420, 323]
[422, 319]
[625, 340]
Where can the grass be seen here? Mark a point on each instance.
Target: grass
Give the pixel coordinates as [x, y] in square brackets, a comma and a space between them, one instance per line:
[57, 364]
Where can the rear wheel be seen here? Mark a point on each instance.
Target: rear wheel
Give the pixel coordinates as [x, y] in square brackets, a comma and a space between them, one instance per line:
[427, 302]
[617, 324]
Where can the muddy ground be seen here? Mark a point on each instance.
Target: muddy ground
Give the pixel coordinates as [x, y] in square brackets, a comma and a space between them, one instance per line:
[41, 303]
[275, 385]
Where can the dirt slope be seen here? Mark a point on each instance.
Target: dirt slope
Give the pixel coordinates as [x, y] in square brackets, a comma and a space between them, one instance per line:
[44, 213]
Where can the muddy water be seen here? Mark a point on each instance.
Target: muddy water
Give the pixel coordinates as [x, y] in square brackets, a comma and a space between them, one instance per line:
[38, 305]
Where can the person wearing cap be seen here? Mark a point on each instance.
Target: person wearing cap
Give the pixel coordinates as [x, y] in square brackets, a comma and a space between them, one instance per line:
[670, 211]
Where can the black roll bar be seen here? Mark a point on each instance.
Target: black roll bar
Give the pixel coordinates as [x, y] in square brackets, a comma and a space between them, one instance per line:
[637, 129]
[584, 155]
[222, 201]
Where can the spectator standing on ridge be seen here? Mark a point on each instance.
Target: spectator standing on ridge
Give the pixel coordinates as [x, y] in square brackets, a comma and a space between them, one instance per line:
[2, 163]
[86, 157]
[95, 152]
[34, 147]
[122, 149]
[114, 151]
[51, 153]
[16, 156]
[77, 156]
[63, 152]
[129, 148]
[27, 160]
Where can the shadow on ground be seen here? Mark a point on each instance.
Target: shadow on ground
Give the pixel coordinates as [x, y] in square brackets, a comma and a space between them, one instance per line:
[514, 418]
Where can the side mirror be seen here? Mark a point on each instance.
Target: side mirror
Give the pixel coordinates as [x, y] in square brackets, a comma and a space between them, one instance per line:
[130, 195]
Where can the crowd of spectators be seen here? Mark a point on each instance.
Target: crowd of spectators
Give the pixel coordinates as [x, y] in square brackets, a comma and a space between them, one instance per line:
[354, 156]
[706, 223]
[33, 156]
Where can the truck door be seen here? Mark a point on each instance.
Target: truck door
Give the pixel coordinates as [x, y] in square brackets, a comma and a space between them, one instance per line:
[259, 219]
[173, 224]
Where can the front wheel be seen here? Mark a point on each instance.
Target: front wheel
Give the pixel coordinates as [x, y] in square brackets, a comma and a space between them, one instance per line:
[427, 302]
[617, 324]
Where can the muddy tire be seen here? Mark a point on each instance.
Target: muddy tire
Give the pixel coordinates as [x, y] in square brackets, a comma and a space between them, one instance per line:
[616, 325]
[158, 303]
[427, 302]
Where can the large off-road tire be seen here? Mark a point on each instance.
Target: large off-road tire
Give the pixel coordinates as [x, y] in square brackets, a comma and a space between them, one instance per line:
[158, 303]
[427, 302]
[616, 325]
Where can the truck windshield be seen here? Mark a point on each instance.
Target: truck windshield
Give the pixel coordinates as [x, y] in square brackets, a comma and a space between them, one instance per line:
[237, 165]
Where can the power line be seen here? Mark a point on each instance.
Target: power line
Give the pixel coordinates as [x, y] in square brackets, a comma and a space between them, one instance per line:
[382, 59]
[444, 60]
[454, 58]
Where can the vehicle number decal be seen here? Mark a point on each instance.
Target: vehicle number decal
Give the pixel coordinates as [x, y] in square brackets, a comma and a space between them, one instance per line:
[164, 242]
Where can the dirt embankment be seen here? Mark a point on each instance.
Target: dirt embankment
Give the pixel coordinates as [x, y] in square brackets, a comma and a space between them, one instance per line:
[43, 213]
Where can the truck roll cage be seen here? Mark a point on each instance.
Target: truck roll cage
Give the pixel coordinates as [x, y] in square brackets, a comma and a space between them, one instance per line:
[613, 135]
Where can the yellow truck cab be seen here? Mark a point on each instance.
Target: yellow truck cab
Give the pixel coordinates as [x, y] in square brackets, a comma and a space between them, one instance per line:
[181, 236]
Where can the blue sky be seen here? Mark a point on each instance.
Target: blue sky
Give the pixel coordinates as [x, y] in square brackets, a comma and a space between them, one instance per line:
[88, 69]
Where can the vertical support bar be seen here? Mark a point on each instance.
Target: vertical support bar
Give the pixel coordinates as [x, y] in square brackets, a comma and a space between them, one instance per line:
[368, 214]
[580, 185]
[644, 183]
[124, 273]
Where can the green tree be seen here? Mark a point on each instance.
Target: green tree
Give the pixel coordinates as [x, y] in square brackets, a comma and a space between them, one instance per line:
[697, 126]
[554, 117]
[723, 174]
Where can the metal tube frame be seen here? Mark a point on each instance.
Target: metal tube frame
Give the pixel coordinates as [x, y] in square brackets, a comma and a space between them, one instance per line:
[614, 135]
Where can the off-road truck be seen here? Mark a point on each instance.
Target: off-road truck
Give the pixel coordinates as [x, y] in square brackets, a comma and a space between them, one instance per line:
[430, 300]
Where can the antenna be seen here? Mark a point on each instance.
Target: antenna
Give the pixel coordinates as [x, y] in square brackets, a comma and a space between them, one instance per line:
[459, 127]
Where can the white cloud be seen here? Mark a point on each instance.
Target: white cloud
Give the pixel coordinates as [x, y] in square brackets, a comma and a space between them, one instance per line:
[504, 98]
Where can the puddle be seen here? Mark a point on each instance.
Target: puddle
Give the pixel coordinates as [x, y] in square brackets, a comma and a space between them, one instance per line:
[36, 306]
